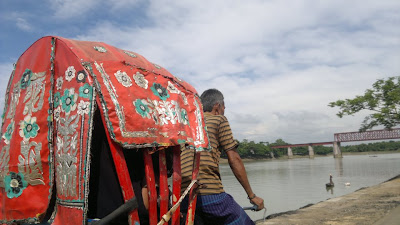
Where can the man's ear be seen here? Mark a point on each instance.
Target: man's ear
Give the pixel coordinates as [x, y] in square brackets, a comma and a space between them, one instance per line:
[216, 109]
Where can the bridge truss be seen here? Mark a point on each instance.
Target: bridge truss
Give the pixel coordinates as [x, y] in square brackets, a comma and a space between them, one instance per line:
[368, 135]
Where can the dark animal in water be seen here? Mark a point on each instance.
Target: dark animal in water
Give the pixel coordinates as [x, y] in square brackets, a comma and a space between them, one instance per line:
[330, 184]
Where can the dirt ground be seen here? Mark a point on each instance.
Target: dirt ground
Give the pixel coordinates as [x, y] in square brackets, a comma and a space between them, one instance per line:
[376, 205]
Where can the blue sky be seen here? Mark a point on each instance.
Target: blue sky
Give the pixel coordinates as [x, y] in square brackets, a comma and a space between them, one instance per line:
[279, 63]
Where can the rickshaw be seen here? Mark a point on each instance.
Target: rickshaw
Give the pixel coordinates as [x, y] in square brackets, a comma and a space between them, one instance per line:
[62, 96]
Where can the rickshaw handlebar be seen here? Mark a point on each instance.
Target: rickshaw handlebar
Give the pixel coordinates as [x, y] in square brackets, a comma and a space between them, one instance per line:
[252, 208]
[128, 206]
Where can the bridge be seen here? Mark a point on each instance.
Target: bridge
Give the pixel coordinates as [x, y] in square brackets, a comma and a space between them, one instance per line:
[346, 137]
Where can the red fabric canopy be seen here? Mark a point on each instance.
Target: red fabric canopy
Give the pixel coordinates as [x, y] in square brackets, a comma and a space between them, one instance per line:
[48, 118]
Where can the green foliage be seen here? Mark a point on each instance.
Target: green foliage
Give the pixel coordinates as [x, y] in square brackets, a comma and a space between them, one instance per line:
[278, 152]
[279, 142]
[250, 149]
[377, 146]
[253, 150]
[323, 150]
[383, 100]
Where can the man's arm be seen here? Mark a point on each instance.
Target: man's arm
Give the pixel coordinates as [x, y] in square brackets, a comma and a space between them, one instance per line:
[237, 166]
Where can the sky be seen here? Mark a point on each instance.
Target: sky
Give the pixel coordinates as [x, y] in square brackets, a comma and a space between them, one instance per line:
[278, 62]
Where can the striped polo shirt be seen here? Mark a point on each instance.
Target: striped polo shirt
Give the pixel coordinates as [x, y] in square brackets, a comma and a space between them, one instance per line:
[221, 139]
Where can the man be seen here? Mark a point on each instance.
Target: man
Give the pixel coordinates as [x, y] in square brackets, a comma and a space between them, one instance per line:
[214, 205]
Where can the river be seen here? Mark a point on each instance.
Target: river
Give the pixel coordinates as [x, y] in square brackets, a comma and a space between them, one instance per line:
[290, 184]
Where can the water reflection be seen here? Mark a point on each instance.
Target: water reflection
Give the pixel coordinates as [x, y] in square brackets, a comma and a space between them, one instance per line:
[291, 184]
[339, 166]
[329, 189]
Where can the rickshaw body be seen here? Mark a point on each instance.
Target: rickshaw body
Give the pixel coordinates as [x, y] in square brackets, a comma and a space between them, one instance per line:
[54, 92]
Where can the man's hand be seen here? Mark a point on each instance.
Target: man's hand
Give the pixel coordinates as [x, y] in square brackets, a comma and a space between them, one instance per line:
[259, 202]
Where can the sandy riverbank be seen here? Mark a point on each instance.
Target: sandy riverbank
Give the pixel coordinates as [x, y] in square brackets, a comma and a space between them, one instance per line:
[379, 204]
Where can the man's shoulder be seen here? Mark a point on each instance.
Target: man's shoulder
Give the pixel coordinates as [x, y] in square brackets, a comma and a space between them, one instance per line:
[215, 117]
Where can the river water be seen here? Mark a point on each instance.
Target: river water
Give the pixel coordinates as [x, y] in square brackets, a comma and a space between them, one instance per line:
[290, 184]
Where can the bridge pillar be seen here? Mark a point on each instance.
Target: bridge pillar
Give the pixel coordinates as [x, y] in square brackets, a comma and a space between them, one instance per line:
[290, 153]
[310, 151]
[337, 153]
[271, 153]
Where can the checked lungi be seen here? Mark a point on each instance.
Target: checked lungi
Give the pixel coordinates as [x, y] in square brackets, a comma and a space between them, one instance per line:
[218, 209]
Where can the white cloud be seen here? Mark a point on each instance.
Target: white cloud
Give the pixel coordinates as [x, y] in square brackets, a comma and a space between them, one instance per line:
[16, 19]
[65, 9]
[122, 4]
[80, 9]
[23, 24]
[279, 63]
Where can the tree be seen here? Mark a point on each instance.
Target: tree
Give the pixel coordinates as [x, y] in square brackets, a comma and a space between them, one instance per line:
[383, 100]
[278, 151]
[279, 142]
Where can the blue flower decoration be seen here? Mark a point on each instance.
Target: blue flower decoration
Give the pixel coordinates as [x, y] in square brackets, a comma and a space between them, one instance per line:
[160, 91]
[181, 141]
[7, 135]
[26, 79]
[57, 99]
[100, 49]
[28, 127]
[142, 108]
[85, 91]
[184, 117]
[69, 100]
[15, 184]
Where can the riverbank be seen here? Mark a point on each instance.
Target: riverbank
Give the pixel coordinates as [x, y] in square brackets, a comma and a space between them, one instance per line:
[379, 204]
[373, 153]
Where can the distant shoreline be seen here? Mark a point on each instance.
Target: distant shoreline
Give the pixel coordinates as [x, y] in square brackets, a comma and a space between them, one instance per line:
[223, 160]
